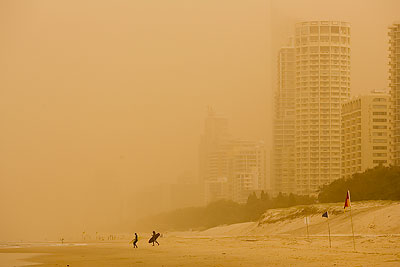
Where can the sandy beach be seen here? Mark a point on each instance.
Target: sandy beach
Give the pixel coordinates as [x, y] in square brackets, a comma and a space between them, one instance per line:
[278, 239]
[226, 251]
[15, 259]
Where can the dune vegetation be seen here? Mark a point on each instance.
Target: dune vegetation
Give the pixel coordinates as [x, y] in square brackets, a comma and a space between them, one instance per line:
[380, 183]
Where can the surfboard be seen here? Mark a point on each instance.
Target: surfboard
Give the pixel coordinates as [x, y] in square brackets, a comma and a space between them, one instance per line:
[154, 238]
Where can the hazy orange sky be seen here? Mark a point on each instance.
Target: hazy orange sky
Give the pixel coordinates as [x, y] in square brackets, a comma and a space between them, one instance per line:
[98, 98]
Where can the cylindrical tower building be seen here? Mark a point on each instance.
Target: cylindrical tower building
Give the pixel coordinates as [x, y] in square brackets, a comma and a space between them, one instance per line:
[322, 85]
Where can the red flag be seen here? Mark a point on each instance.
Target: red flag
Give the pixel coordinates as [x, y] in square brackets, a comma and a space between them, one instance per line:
[347, 201]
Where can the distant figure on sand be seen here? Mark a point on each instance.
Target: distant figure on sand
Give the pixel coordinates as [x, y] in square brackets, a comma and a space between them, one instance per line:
[135, 240]
[154, 237]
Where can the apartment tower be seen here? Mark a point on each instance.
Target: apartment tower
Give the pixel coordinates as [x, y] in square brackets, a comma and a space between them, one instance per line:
[236, 169]
[215, 135]
[283, 157]
[394, 84]
[213, 168]
[247, 169]
[366, 133]
[322, 85]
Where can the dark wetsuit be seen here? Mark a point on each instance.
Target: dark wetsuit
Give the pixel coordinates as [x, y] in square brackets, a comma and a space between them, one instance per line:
[154, 236]
[135, 241]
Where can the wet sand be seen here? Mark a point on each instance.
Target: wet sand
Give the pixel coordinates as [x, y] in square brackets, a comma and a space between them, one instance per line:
[15, 259]
[226, 251]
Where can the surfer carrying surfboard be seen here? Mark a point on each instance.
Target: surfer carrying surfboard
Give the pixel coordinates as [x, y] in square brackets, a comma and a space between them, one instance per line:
[135, 241]
[154, 237]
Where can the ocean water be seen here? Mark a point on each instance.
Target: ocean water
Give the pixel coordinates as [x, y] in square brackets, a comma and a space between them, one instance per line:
[37, 244]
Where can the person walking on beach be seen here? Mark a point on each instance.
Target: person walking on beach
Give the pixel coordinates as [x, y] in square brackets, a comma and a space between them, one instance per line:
[135, 240]
[153, 239]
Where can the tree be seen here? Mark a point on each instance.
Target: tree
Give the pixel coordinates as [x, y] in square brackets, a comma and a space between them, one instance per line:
[252, 199]
[379, 183]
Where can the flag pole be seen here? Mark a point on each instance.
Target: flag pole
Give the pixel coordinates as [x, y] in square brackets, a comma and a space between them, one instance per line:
[329, 232]
[352, 230]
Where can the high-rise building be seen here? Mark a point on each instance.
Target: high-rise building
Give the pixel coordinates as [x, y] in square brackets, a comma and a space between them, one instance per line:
[322, 85]
[366, 133]
[217, 183]
[247, 169]
[213, 169]
[283, 154]
[236, 169]
[229, 169]
[394, 84]
[215, 135]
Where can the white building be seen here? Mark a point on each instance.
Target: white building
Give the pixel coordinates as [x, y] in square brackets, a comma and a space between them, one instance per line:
[366, 133]
[247, 169]
[236, 170]
[229, 169]
[211, 170]
[283, 154]
[322, 85]
[217, 183]
[394, 78]
[216, 189]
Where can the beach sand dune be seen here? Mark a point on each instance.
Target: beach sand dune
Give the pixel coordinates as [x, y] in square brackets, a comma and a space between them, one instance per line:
[372, 218]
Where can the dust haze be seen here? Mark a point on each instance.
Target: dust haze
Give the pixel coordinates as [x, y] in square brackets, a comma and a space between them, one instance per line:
[100, 101]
